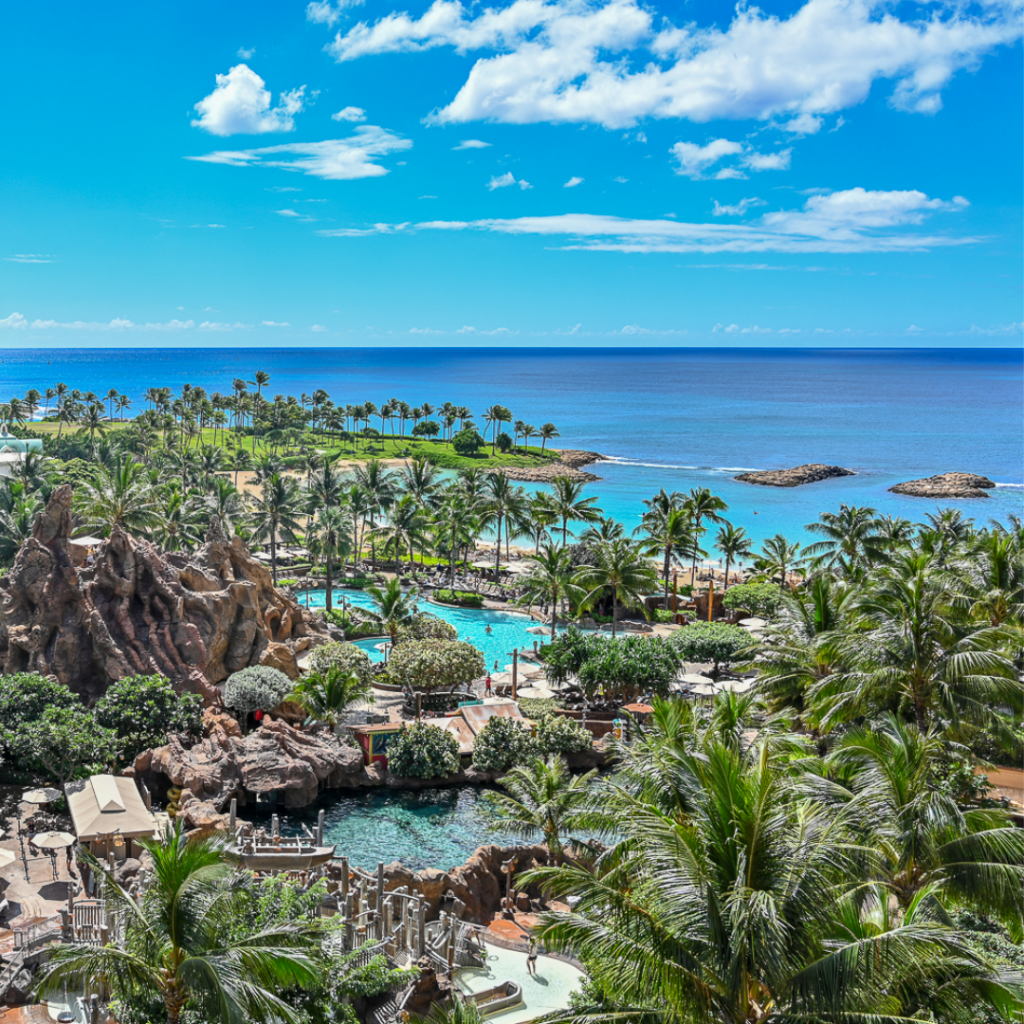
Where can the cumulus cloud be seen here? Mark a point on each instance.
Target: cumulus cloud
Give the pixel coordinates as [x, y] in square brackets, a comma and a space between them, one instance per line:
[471, 144]
[14, 322]
[244, 54]
[335, 159]
[505, 180]
[349, 114]
[322, 12]
[117, 324]
[852, 221]
[694, 160]
[240, 105]
[612, 62]
[573, 182]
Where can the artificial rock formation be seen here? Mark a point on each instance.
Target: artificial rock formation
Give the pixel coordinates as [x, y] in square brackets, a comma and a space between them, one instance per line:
[276, 757]
[194, 619]
[810, 473]
[567, 464]
[946, 485]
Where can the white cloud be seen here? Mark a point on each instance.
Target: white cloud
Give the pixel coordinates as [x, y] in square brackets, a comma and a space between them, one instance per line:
[117, 324]
[277, 188]
[610, 62]
[14, 322]
[424, 330]
[505, 180]
[471, 144]
[736, 209]
[803, 124]
[335, 159]
[240, 105]
[349, 114]
[376, 229]
[318, 328]
[851, 221]
[244, 54]
[210, 325]
[322, 13]
[288, 213]
[466, 330]
[620, 180]
[694, 160]
[274, 323]
[573, 182]
[28, 257]
[428, 197]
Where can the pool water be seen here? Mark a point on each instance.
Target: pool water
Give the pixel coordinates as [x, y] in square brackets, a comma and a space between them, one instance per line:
[427, 828]
[509, 630]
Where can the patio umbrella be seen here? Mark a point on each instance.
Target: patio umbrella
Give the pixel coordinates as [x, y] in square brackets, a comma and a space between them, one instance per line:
[53, 840]
[693, 679]
[7, 857]
[41, 796]
[539, 692]
[752, 623]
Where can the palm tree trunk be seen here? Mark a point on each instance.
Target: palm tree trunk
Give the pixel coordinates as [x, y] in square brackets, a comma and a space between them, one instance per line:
[327, 596]
[497, 552]
[615, 609]
[273, 556]
[728, 562]
[554, 612]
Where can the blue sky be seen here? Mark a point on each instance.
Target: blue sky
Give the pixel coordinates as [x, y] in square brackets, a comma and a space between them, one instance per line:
[605, 172]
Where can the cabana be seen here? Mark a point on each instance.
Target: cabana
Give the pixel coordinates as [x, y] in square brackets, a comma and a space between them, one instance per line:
[108, 813]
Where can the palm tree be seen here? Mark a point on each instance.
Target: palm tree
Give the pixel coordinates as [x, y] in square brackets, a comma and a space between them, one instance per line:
[570, 506]
[421, 479]
[851, 541]
[550, 579]
[702, 505]
[178, 941]
[241, 462]
[669, 531]
[622, 569]
[548, 432]
[542, 796]
[393, 607]
[602, 532]
[123, 403]
[992, 575]
[93, 423]
[778, 557]
[404, 527]
[380, 488]
[225, 502]
[325, 696]
[457, 525]
[330, 535]
[180, 515]
[503, 502]
[275, 513]
[119, 497]
[734, 545]
[923, 842]
[18, 511]
[528, 431]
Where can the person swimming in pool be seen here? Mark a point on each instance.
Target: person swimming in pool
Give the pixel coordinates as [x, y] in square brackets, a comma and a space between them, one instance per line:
[488, 629]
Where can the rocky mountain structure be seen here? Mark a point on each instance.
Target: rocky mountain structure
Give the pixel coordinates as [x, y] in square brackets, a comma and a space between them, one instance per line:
[192, 618]
[810, 473]
[567, 464]
[946, 485]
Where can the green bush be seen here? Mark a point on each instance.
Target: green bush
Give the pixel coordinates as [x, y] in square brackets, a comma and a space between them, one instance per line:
[427, 627]
[467, 442]
[757, 598]
[535, 708]
[256, 688]
[423, 752]
[502, 744]
[350, 659]
[716, 642]
[435, 664]
[142, 711]
[559, 734]
[464, 597]
[504, 442]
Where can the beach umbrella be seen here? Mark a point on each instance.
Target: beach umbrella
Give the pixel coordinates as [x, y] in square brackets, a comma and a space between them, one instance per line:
[538, 692]
[7, 857]
[752, 623]
[53, 840]
[693, 679]
[41, 796]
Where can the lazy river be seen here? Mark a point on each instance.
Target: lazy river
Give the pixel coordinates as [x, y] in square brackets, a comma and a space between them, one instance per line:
[508, 630]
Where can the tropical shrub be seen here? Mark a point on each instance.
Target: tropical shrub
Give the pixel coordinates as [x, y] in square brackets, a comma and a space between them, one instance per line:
[566, 654]
[142, 711]
[428, 627]
[716, 642]
[757, 598]
[504, 442]
[257, 688]
[24, 697]
[463, 597]
[423, 752]
[535, 708]
[467, 442]
[348, 658]
[428, 428]
[629, 667]
[63, 740]
[559, 734]
[435, 664]
[502, 744]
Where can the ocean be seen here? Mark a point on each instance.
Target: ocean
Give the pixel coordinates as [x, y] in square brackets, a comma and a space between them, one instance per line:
[672, 418]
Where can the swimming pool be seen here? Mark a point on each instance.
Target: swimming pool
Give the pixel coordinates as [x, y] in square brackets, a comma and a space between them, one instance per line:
[509, 630]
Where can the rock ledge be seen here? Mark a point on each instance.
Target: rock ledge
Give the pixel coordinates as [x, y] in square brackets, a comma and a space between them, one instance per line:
[810, 473]
[567, 464]
[946, 485]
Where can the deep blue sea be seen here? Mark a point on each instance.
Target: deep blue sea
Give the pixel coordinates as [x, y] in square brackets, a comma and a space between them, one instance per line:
[664, 418]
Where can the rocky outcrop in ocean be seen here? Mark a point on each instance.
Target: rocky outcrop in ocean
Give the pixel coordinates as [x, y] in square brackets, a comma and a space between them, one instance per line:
[810, 473]
[137, 611]
[946, 485]
[567, 464]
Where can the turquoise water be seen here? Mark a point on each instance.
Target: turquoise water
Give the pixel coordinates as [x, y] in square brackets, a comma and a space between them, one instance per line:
[673, 418]
[429, 828]
[508, 629]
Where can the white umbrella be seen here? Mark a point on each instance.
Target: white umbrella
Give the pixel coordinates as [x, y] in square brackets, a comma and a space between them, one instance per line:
[539, 692]
[53, 840]
[7, 857]
[41, 796]
[753, 623]
[694, 679]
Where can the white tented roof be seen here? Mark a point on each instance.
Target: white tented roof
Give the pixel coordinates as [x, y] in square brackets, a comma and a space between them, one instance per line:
[106, 804]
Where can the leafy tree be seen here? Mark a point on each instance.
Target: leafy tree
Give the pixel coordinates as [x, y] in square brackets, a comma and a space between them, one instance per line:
[467, 442]
[181, 953]
[504, 443]
[423, 751]
[559, 734]
[427, 627]
[142, 711]
[566, 655]
[64, 739]
[428, 428]
[348, 658]
[257, 688]
[756, 598]
[716, 642]
[629, 667]
[325, 696]
[501, 744]
[435, 664]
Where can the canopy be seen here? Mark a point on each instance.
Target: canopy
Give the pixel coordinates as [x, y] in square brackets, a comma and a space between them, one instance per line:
[53, 840]
[104, 805]
[86, 542]
[41, 796]
[752, 623]
[7, 857]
